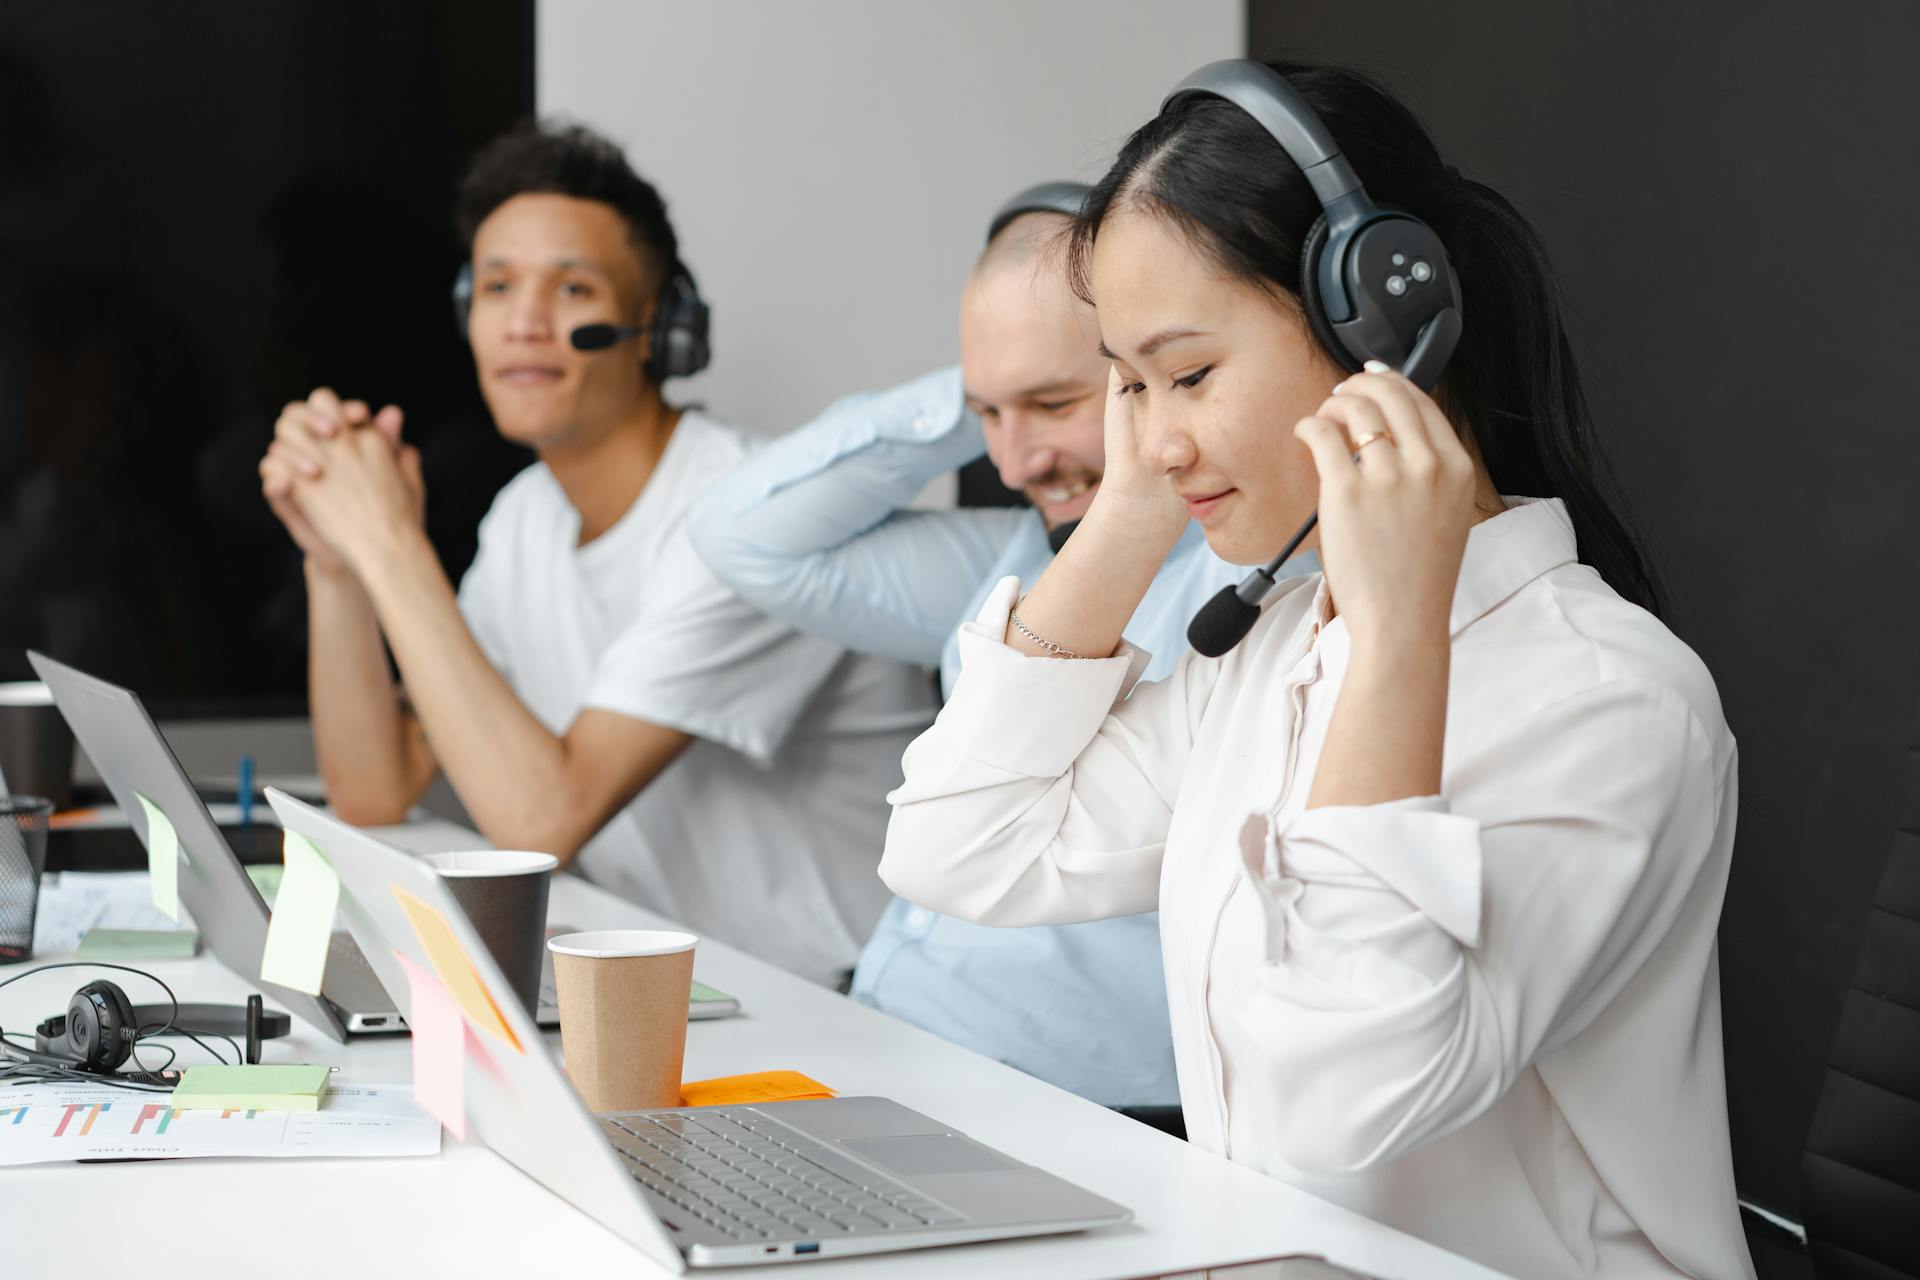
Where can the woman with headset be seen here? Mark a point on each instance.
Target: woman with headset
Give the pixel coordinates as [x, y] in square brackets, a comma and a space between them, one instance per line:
[1440, 848]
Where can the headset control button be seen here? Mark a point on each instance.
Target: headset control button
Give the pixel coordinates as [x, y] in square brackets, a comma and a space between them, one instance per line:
[1421, 272]
[1396, 285]
[1399, 259]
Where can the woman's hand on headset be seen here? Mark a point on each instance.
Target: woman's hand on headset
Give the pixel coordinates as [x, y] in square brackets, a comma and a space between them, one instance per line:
[1394, 513]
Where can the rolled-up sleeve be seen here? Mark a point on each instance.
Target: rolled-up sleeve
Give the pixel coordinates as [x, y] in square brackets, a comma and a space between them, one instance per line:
[813, 527]
[1418, 960]
[1043, 792]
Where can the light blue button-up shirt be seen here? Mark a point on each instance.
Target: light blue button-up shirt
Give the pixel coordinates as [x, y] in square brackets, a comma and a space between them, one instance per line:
[811, 528]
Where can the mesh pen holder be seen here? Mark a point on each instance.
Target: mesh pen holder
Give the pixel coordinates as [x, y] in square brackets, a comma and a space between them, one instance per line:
[24, 822]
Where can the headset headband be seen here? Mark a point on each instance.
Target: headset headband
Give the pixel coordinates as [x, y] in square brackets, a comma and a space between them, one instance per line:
[1044, 197]
[1375, 283]
[1264, 94]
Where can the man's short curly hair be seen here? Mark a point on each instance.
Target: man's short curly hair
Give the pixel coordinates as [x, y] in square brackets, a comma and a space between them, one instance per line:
[557, 158]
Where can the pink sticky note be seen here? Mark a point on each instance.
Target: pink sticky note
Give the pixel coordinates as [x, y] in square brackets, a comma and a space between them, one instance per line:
[439, 1048]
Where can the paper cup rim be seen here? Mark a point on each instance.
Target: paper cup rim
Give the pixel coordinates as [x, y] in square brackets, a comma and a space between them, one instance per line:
[25, 693]
[613, 944]
[497, 862]
[22, 805]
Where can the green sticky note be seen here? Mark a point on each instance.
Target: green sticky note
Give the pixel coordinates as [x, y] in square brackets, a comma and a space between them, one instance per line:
[250, 1088]
[301, 928]
[163, 858]
[266, 877]
[138, 944]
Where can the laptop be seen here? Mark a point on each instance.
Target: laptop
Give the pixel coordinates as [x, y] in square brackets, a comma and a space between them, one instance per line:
[131, 755]
[700, 1186]
[113, 728]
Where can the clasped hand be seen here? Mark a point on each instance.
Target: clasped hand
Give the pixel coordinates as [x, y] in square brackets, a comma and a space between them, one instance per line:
[341, 480]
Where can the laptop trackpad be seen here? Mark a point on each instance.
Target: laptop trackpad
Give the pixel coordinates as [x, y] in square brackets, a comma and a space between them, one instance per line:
[929, 1153]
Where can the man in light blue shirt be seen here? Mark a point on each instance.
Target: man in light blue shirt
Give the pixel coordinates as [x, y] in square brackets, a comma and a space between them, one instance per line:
[814, 529]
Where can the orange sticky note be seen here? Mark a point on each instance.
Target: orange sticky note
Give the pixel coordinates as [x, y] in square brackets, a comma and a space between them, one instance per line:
[439, 1048]
[454, 969]
[759, 1086]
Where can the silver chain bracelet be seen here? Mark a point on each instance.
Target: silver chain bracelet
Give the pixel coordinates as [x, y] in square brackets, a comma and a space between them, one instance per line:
[1052, 648]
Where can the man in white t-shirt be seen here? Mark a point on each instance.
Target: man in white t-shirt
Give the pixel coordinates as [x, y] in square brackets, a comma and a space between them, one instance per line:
[590, 690]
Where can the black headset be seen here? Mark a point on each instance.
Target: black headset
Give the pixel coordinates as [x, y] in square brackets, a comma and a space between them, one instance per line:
[678, 344]
[101, 1027]
[97, 1034]
[1375, 283]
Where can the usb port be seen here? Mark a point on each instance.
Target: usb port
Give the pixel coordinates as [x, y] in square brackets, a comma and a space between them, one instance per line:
[370, 1023]
[806, 1247]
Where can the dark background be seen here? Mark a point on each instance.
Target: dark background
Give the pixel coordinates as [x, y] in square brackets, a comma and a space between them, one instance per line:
[206, 210]
[1730, 193]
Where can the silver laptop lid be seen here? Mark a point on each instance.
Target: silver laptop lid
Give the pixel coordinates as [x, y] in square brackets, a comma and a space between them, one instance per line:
[518, 1102]
[113, 728]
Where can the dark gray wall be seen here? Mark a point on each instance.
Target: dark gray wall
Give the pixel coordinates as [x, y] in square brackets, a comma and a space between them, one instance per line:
[1732, 194]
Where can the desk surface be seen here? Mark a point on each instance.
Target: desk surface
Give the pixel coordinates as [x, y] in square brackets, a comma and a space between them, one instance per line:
[473, 1210]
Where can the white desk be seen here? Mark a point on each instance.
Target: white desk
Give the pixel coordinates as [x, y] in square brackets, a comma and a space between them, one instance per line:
[470, 1211]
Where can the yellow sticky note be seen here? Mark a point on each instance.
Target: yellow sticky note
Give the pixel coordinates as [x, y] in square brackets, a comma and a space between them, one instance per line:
[456, 972]
[760, 1086]
[163, 858]
[240, 1087]
[301, 927]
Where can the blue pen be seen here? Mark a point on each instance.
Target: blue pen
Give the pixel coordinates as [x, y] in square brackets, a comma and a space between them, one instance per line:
[246, 792]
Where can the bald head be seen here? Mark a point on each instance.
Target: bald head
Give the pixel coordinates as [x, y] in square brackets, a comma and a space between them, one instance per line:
[1024, 241]
[1029, 353]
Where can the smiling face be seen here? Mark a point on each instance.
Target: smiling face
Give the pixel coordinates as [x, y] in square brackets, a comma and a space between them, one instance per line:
[1219, 372]
[1029, 359]
[543, 265]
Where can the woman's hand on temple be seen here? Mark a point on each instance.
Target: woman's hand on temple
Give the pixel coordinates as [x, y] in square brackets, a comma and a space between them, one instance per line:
[1130, 482]
[1397, 490]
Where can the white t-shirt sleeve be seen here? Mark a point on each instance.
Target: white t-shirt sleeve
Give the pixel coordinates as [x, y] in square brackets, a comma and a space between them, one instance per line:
[699, 659]
[482, 593]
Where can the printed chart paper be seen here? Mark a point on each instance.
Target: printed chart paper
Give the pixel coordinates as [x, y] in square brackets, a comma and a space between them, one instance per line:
[49, 1122]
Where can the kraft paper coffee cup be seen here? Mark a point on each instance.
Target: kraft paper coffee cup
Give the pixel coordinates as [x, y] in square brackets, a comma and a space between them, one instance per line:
[504, 893]
[623, 1014]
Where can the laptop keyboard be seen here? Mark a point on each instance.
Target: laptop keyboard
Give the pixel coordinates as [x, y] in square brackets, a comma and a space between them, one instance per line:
[754, 1178]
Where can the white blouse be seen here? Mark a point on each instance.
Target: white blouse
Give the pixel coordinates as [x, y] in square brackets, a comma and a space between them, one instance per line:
[1490, 1017]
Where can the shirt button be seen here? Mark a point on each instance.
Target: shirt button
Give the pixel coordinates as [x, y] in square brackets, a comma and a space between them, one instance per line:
[918, 919]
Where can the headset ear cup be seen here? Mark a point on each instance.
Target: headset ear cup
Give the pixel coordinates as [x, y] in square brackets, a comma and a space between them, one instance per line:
[677, 339]
[100, 1027]
[463, 299]
[1310, 302]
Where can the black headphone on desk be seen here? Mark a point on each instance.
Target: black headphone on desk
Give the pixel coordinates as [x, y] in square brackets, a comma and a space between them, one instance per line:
[678, 343]
[1375, 282]
[101, 1027]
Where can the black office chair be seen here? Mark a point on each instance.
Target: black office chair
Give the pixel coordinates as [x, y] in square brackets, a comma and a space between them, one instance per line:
[1861, 1170]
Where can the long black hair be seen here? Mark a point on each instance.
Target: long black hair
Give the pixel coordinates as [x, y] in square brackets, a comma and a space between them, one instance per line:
[1513, 384]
